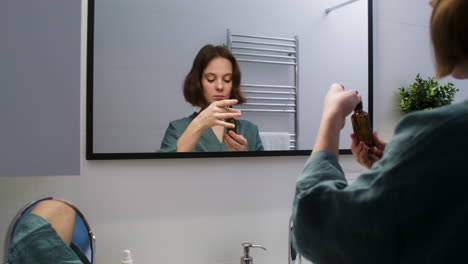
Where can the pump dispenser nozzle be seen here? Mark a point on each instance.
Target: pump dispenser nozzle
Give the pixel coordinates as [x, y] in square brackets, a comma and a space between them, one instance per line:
[246, 258]
[127, 257]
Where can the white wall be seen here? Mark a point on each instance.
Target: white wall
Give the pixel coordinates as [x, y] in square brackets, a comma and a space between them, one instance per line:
[198, 211]
[402, 49]
[44, 45]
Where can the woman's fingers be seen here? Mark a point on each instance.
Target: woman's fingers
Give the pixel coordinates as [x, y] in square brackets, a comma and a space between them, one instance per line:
[354, 144]
[363, 156]
[228, 142]
[221, 116]
[235, 142]
[216, 113]
[336, 87]
[220, 110]
[224, 124]
[238, 138]
[353, 141]
[339, 101]
[226, 102]
[373, 159]
[363, 153]
[366, 159]
[377, 152]
[231, 110]
[378, 142]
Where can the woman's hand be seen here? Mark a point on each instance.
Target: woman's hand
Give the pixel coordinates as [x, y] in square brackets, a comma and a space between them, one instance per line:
[367, 156]
[211, 116]
[338, 104]
[216, 113]
[235, 142]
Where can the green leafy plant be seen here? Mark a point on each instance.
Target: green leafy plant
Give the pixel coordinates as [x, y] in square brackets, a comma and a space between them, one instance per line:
[425, 95]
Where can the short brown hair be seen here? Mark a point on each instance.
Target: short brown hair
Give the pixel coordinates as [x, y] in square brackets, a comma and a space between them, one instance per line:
[193, 89]
[449, 33]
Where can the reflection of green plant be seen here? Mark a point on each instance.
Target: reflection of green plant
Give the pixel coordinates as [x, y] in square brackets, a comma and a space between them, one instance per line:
[425, 95]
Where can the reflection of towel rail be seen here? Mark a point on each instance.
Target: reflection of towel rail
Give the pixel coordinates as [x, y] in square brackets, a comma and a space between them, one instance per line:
[270, 62]
[268, 86]
[264, 43]
[270, 50]
[292, 141]
[262, 37]
[263, 49]
[268, 110]
[270, 104]
[268, 92]
[272, 98]
[265, 55]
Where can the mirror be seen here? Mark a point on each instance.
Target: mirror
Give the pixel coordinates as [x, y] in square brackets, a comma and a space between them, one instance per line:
[139, 53]
[50, 230]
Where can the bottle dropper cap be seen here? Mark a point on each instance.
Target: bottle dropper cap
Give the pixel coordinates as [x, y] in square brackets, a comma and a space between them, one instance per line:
[127, 257]
[359, 105]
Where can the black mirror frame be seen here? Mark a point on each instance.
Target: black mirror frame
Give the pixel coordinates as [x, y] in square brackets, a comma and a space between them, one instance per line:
[90, 155]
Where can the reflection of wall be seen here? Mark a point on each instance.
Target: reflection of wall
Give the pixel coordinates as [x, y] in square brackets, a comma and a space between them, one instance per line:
[402, 50]
[144, 49]
[39, 99]
[197, 211]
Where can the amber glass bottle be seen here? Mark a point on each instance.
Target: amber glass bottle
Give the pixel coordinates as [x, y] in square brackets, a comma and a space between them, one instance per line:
[232, 121]
[361, 126]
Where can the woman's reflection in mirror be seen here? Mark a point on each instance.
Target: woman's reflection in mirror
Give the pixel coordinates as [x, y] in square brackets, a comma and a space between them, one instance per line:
[44, 236]
[213, 84]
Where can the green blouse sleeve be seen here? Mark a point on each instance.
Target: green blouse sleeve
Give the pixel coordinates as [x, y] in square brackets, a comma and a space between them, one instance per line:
[250, 131]
[169, 142]
[36, 241]
[337, 223]
[259, 145]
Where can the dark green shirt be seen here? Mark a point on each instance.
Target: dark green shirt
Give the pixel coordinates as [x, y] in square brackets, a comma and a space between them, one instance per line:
[36, 241]
[411, 207]
[208, 141]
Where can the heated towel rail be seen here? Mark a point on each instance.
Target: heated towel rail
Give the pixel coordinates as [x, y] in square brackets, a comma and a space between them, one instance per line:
[270, 97]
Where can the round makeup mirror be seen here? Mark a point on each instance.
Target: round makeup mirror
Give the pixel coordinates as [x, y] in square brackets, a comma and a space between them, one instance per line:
[50, 230]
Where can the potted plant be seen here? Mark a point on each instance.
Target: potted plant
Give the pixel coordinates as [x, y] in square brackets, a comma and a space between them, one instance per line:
[425, 95]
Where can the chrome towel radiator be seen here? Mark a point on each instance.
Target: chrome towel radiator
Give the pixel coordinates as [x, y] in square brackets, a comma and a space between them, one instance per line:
[270, 97]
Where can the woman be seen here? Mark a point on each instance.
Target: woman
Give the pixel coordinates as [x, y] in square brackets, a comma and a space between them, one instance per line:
[213, 84]
[412, 205]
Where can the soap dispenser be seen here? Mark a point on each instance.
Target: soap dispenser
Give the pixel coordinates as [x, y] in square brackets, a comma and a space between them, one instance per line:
[246, 258]
[127, 257]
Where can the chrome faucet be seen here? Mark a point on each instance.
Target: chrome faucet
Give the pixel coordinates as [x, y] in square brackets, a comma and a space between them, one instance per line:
[292, 253]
